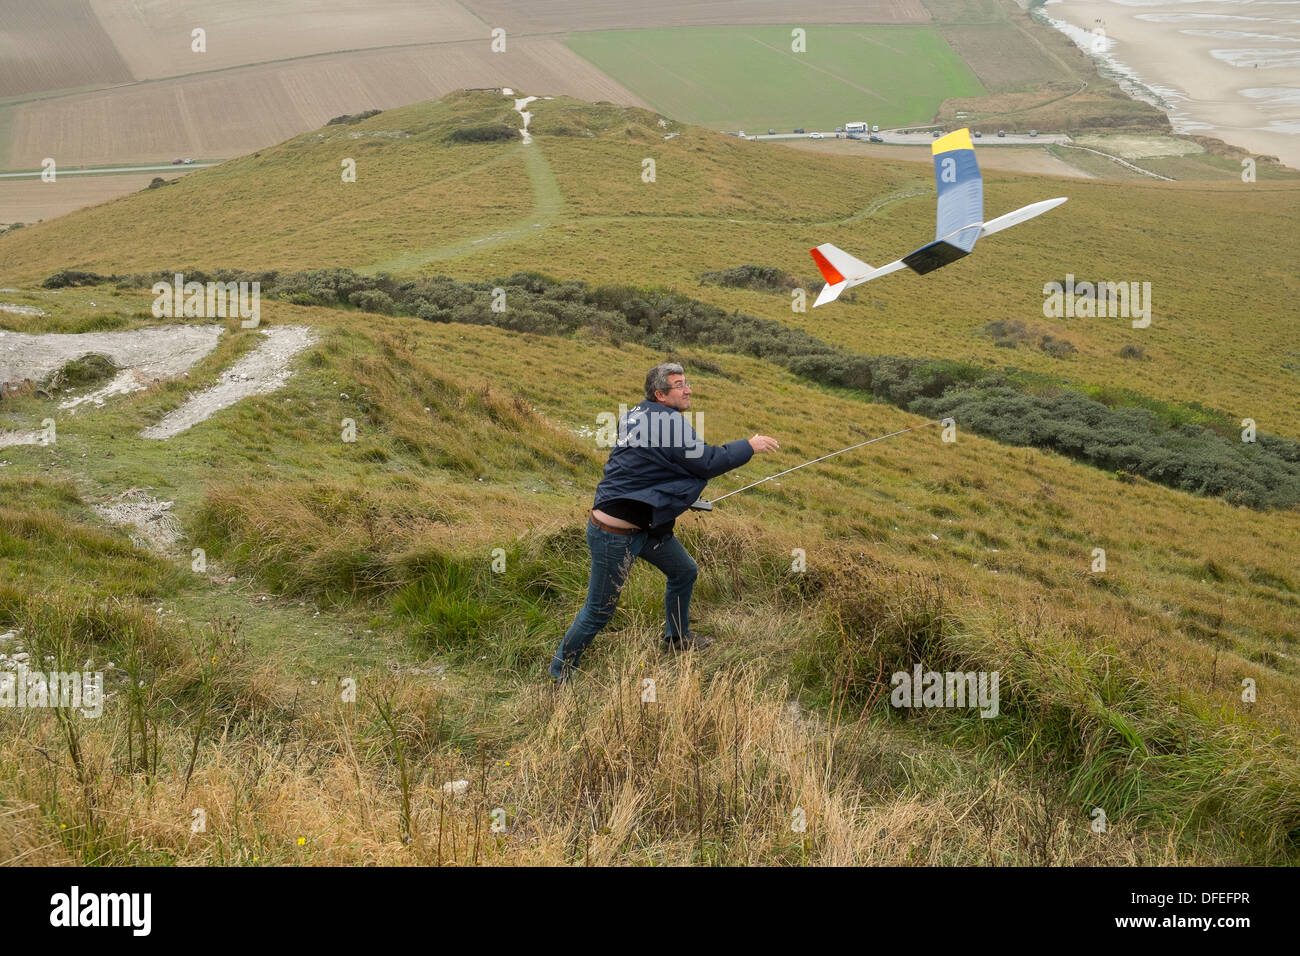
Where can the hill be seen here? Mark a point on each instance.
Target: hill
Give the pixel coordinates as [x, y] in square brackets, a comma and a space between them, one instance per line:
[331, 566]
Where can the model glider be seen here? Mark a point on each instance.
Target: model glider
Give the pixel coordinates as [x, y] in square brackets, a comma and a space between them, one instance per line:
[960, 222]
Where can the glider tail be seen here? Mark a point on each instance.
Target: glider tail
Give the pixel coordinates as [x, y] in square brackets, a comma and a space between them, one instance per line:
[839, 269]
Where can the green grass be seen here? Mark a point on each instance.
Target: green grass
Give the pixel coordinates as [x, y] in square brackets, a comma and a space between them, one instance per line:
[748, 78]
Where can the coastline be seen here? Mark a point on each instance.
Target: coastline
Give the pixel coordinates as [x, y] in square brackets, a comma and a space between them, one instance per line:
[1196, 59]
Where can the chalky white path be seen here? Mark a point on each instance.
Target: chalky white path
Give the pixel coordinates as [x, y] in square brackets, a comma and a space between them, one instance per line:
[148, 355]
[263, 370]
[142, 356]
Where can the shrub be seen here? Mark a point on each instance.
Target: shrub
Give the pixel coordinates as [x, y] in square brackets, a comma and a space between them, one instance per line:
[758, 278]
[351, 119]
[1106, 426]
[71, 277]
[493, 133]
[81, 372]
[1007, 334]
[372, 300]
[1056, 348]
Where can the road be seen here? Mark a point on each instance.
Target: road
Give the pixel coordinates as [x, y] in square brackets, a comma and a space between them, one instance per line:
[917, 139]
[104, 170]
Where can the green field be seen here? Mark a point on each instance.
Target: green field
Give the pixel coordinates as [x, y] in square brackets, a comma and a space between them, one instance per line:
[748, 78]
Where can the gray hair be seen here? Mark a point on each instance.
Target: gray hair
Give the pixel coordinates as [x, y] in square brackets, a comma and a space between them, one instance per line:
[656, 380]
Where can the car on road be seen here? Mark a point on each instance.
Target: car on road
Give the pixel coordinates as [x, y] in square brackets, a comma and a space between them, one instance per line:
[816, 136]
[936, 134]
[176, 162]
[875, 129]
[189, 162]
[1033, 132]
[800, 130]
[877, 139]
[1002, 132]
[977, 134]
[771, 132]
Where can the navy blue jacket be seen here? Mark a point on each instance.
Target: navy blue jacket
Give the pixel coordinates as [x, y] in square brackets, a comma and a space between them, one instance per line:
[660, 460]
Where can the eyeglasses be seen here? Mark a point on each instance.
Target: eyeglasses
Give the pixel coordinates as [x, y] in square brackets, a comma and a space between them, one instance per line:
[684, 384]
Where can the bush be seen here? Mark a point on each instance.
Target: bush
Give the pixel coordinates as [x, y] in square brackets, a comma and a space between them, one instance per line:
[72, 277]
[1007, 334]
[351, 119]
[1133, 352]
[1056, 348]
[81, 372]
[372, 300]
[1128, 440]
[1106, 426]
[758, 278]
[493, 133]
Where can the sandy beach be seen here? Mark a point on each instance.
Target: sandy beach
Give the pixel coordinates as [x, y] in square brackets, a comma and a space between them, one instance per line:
[1223, 68]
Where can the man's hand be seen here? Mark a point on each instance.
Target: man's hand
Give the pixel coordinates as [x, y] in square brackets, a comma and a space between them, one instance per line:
[761, 443]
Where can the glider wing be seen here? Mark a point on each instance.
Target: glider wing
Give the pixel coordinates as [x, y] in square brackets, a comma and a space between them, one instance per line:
[1020, 215]
[960, 214]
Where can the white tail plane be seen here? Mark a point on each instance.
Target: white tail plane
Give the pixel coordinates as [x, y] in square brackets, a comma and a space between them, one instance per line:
[960, 222]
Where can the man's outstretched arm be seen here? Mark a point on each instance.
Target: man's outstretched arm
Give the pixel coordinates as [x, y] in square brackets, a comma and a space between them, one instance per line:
[709, 461]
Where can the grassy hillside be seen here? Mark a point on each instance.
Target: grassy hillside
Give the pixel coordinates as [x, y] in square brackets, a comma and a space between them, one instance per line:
[423, 206]
[330, 562]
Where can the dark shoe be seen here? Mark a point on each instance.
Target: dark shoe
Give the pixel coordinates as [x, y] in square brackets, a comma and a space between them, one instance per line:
[691, 642]
[563, 676]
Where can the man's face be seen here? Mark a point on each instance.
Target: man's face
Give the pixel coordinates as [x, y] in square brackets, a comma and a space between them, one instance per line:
[679, 394]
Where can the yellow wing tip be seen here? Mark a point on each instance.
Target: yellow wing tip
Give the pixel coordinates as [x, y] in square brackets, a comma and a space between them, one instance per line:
[957, 139]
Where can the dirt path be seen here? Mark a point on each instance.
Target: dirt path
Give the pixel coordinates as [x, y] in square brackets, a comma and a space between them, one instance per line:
[263, 370]
[1123, 162]
[548, 205]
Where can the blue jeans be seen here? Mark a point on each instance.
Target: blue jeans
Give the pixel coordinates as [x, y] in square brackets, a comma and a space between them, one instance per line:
[611, 561]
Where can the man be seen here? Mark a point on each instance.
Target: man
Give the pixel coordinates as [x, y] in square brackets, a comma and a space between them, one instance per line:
[656, 471]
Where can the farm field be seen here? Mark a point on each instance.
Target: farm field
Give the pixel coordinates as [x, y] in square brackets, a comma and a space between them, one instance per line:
[123, 86]
[555, 16]
[153, 37]
[985, 49]
[237, 111]
[54, 45]
[748, 78]
[30, 200]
